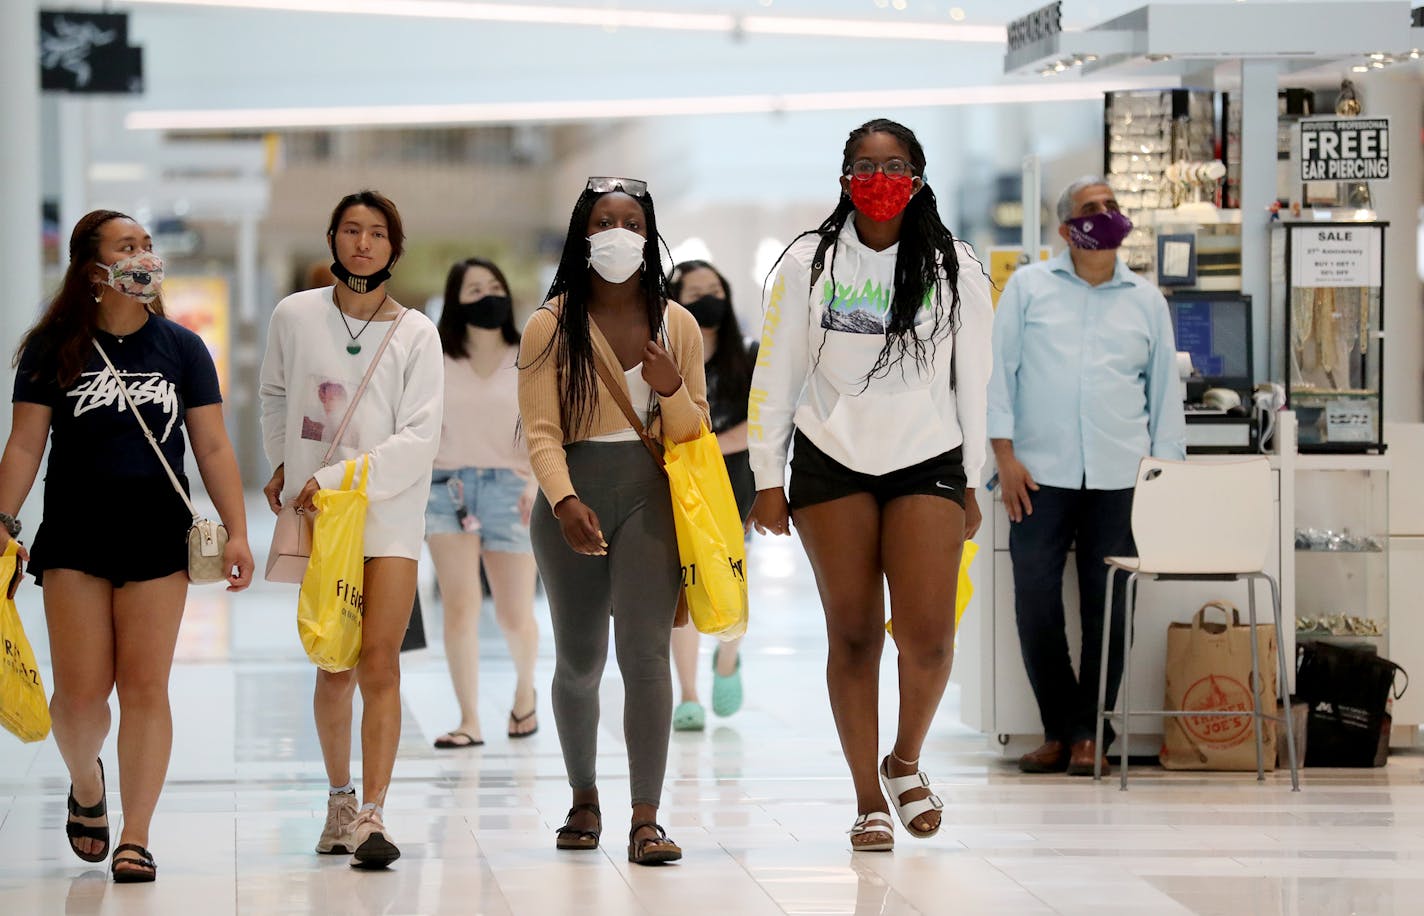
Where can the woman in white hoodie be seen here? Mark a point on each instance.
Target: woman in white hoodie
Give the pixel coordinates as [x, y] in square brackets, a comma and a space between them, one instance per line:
[875, 354]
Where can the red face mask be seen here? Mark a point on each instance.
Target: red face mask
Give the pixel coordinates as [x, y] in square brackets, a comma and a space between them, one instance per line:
[881, 197]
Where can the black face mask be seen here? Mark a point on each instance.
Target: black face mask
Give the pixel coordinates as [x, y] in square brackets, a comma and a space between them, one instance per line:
[710, 311]
[356, 282]
[489, 313]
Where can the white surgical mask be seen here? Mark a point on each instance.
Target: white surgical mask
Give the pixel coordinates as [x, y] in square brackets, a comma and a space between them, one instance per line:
[616, 254]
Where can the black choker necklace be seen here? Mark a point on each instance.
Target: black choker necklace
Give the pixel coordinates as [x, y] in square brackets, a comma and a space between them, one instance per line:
[354, 346]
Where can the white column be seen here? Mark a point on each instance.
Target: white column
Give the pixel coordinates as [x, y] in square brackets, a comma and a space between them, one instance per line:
[19, 179]
[1394, 93]
[73, 160]
[1258, 190]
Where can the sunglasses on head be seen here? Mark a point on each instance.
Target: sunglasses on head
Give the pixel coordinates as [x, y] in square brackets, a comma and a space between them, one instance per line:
[633, 187]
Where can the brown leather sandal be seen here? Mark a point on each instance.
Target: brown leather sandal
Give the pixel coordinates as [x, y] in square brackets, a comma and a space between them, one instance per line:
[652, 850]
[569, 837]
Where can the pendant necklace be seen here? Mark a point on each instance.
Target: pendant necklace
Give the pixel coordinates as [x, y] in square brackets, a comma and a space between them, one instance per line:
[354, 346]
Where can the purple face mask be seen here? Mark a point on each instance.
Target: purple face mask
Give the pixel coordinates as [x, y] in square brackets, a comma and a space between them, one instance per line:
[1098, 232]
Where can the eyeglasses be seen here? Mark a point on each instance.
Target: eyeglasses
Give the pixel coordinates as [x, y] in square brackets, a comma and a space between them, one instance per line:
[892, 168]
[633, 187]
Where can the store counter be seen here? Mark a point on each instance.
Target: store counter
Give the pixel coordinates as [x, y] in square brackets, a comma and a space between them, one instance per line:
[995, 697]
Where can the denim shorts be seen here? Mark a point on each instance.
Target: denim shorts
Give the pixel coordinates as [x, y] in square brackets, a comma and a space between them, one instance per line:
[483, 501]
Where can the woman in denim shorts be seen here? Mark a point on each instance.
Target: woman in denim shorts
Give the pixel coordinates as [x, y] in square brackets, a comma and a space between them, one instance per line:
[481, 495]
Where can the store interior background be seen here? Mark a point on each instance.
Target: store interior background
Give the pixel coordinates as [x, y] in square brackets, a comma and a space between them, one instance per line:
[255, 119]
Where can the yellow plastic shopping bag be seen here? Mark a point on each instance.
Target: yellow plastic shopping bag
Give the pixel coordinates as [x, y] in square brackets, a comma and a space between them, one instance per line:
[710, 537]
[24, 711]
[963, 592]
[331, 604]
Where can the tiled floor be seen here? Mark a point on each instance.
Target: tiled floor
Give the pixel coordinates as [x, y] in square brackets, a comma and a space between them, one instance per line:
[760, 802]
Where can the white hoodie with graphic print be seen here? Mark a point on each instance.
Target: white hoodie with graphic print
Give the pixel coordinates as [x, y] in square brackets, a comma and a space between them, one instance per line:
[816, 352]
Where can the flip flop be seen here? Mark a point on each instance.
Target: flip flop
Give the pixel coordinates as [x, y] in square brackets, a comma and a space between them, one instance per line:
[519, 720]
[77, 831]
[446, 744]
[689, 717]
[726, 691]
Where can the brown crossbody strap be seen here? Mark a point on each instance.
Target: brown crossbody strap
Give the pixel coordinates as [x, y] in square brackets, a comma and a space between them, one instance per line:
[620, 397]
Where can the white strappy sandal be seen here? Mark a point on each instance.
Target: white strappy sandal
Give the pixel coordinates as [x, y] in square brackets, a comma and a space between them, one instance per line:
[898, 785]
[874, 822]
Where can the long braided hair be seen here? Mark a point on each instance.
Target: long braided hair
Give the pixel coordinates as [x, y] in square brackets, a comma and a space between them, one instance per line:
[572, 343]
[925, 256]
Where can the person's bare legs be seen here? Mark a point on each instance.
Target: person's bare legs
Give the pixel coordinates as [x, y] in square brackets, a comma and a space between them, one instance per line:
[331, 707]
[511, 579]
[727, 656]
[842, 539]
[457, 568]
[921, 540]
[684, 657]
[146, 619]
[80, 618]
[389, 595]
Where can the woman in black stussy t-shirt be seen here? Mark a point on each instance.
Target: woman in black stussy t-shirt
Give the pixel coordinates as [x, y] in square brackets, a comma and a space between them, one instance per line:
[111, 550]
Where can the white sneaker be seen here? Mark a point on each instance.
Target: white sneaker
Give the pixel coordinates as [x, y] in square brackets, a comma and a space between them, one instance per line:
[341, 811]
[374, 846]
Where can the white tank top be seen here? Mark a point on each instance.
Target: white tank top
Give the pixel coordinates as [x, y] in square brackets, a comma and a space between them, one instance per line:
[640, 393]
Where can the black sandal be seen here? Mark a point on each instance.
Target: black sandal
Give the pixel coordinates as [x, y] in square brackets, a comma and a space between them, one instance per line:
[77, 831]
[520, 720]
[445, 744]
[568, 837]
[651, 850]
[135, 874]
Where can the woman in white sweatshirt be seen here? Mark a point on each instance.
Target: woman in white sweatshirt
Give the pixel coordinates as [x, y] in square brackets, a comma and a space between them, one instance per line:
[875, 353]
[319, 346]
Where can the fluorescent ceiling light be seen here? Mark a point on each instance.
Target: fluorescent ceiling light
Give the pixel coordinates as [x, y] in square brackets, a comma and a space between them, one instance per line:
[475, 113]
[608, 18]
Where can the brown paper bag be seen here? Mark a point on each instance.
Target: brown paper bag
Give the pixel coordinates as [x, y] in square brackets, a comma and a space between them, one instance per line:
[1209, 668]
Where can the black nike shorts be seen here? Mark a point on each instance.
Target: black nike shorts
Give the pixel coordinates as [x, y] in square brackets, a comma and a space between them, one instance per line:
[818, 478]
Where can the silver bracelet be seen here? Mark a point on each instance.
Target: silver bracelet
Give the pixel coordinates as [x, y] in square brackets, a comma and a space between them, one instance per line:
[11, 524]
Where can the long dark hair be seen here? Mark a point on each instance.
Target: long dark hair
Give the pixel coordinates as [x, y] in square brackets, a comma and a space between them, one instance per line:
[452, 320]
[926, 254]
[572, 344]
[64, 336]
[730, 362]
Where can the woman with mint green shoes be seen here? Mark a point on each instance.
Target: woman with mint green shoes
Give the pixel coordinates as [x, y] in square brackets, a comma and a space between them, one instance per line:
[703, 291]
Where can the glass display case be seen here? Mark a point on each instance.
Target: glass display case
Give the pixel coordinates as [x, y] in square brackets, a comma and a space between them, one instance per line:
[1146, 133]
[1342, 550]
[1328, 288]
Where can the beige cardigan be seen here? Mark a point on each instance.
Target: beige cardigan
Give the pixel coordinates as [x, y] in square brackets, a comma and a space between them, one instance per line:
[682, 414]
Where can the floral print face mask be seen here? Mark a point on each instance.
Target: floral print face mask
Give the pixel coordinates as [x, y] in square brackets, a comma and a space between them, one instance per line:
[138, 276]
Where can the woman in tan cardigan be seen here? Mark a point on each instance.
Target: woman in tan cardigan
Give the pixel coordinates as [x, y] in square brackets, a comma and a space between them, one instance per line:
[603, 528]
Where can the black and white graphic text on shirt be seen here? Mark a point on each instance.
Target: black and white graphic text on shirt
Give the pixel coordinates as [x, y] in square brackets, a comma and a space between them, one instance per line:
[98, 390]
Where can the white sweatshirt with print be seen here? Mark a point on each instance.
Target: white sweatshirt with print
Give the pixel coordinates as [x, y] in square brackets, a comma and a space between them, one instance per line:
[816, 352]
[308, 378]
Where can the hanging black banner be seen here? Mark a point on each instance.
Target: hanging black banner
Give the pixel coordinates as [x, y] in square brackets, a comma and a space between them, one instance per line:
[88, 53]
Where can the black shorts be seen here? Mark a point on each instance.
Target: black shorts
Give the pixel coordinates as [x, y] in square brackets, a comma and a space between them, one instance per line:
[130, 530]
[818, 478]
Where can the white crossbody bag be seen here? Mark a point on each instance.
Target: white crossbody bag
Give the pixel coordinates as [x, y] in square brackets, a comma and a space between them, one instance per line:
[207, 539]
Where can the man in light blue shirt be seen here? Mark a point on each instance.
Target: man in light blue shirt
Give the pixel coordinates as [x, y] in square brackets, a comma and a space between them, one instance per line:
[1084, 385]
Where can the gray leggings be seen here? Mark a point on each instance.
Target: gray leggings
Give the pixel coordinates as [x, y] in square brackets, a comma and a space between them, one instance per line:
[637, 583]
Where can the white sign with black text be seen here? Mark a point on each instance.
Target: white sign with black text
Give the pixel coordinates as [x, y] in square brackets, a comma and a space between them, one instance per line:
[1335, 255]
[1344, 149]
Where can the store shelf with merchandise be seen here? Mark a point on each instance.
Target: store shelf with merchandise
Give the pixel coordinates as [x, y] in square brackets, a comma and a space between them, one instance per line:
[1342, 556]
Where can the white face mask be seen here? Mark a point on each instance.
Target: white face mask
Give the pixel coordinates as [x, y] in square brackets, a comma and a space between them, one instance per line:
[616, 253]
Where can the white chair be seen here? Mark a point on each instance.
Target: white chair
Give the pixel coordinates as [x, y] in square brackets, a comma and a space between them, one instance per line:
[1198, 521]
